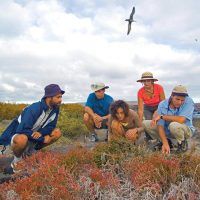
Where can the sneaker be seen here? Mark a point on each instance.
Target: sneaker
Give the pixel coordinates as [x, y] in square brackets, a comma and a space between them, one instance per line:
[93, 138]
[147, 137]
[3, 149]
[182, 147]
[158, 146]
[14, 164]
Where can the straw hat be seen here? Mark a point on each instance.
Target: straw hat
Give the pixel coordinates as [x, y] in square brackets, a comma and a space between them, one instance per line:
[147, 76]
[180, 90]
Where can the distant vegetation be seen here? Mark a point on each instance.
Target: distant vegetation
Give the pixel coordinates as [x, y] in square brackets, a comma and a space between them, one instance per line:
[70, 119]
[9, 111]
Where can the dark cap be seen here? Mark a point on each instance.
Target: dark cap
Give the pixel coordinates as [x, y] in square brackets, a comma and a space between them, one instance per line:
[52, 90]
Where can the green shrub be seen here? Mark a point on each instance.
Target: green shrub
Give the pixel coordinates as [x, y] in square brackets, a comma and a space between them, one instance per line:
[71, 120]
[9, 111]
[116, 151]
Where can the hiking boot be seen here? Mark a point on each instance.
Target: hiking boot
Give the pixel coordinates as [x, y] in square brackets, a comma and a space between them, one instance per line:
[182, 147]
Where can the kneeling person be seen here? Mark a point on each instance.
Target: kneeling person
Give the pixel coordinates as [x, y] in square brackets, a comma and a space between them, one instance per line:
[124, 121]
[173, 121]
[35, 128]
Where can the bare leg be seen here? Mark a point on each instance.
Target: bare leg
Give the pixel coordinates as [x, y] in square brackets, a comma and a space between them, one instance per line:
[50, 139]
[88, 121]
[19, 144]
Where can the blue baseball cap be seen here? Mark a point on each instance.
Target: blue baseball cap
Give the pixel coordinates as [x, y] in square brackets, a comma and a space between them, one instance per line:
[52, 90]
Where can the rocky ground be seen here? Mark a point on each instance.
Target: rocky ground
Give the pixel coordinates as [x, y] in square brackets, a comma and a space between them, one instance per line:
[7, 158]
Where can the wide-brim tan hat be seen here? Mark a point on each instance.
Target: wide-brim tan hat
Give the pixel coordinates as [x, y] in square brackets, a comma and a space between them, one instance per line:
[98, 86]
[147, 76]
[180, 90]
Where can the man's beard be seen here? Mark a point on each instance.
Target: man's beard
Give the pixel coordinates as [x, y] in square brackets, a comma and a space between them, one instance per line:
[54, 105]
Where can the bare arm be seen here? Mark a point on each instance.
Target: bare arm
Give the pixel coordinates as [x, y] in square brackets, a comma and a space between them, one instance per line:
[140, 109]
[89, 111]
[94, 115]
[133, 133]
[138, 123]
[170, 118]
[165, 146]
[162, 96]
[109, 124]
[106, 116]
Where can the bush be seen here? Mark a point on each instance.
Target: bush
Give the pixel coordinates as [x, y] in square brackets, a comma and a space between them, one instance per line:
[70, 120]
[190, 167]
[116, 151]
[9, 111]
[75, 175]
[47, 179]
[153, 171]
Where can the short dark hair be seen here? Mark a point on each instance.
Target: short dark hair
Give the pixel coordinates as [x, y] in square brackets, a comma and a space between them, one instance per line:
[119, 104]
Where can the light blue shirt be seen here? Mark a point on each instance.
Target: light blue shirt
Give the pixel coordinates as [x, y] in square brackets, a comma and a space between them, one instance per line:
[186, 110]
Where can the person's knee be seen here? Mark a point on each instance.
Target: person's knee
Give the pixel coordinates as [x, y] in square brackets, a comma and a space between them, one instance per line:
[174, 127]
[115, 124]
[86, 118]
[20, 140]
[57, 133]
[146, 124]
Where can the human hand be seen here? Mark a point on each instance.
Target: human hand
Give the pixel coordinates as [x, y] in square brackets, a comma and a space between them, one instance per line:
[166, 148]
[47, 139]
[132, 134]
[97, 120]
[36, 135]
[155, 120]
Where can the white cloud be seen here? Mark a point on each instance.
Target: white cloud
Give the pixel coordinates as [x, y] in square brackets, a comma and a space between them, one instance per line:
[75, 44]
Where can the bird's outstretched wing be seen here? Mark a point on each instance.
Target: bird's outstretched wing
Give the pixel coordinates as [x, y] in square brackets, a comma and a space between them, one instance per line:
[129, 28]
[132, 13]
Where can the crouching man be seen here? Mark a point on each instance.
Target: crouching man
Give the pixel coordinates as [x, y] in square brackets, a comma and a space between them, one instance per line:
[124, 121]
[35, 128]
[172, 121]
[97, 109]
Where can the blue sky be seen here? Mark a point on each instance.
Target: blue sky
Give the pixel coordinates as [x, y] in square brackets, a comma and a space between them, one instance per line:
[75, 43]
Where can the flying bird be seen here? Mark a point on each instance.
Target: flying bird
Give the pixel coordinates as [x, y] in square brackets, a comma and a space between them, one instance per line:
[130, 20]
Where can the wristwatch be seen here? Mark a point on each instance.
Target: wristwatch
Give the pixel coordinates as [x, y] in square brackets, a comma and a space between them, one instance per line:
[161, 116]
